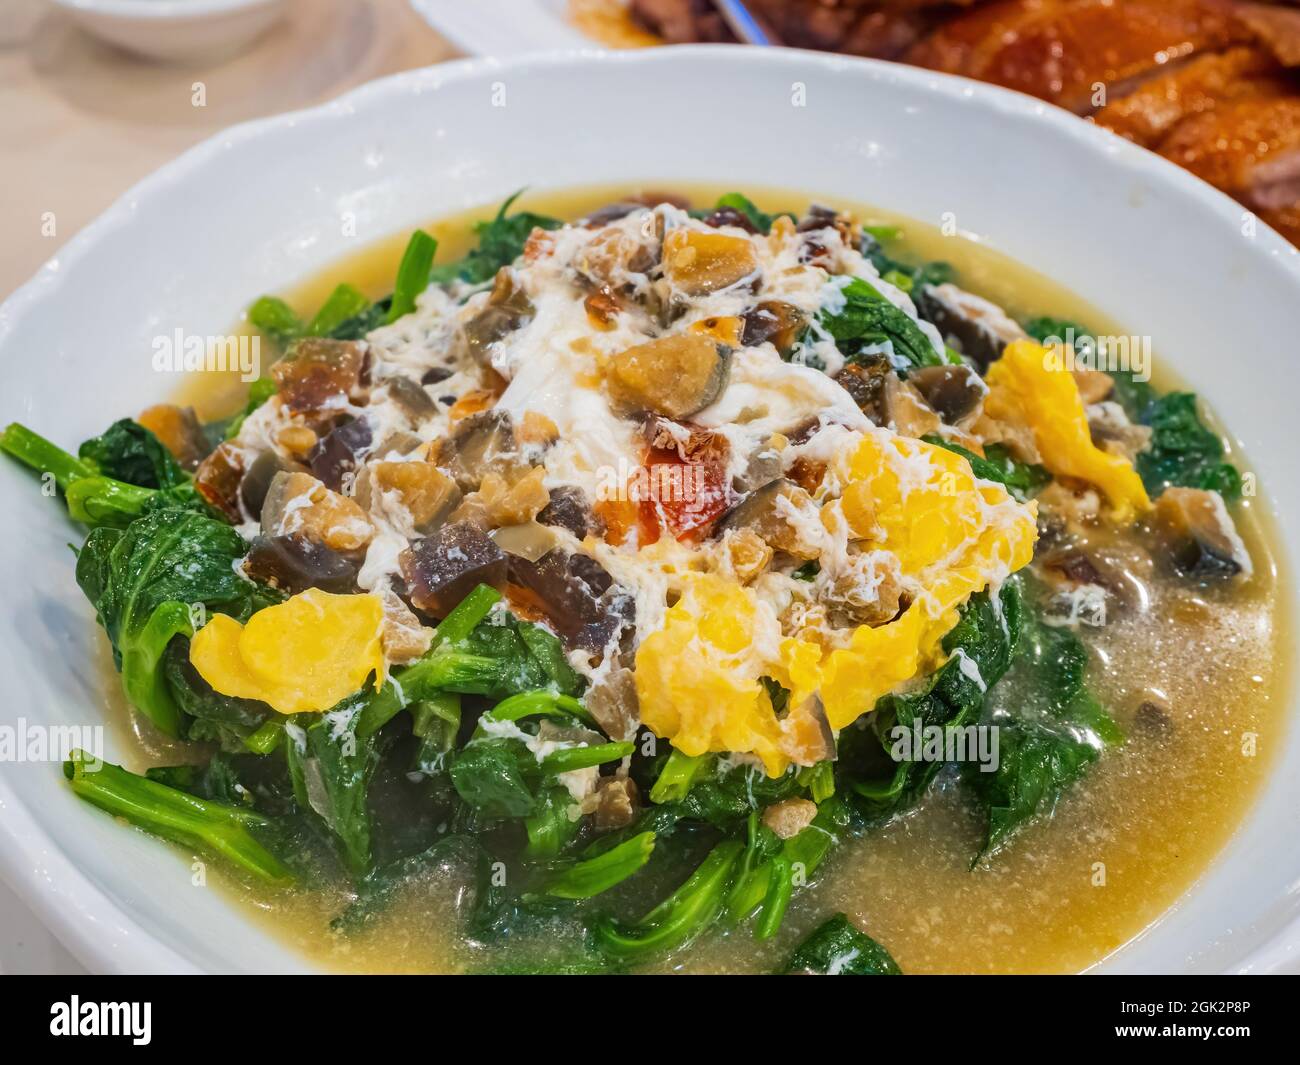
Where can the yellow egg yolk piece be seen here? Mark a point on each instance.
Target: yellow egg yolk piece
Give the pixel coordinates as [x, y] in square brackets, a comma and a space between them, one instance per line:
[699, 676]
[305, 654]
[953, 536]
[1031, 385]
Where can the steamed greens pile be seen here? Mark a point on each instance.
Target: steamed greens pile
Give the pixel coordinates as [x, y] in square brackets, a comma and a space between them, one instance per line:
[430, 772]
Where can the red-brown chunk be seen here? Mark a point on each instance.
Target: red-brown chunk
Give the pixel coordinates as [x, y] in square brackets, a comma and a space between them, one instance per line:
[317, 372]
[217, 479]
[686, 483]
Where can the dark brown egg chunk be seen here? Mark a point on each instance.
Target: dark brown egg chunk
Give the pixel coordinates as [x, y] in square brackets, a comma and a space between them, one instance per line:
[441, 569]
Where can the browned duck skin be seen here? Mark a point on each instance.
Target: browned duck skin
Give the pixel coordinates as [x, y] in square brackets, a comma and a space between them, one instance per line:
[1251, 150]
[1148, 114]
[1062, 50]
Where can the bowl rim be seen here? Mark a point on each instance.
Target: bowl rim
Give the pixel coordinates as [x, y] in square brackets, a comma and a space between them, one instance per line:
[68, 903]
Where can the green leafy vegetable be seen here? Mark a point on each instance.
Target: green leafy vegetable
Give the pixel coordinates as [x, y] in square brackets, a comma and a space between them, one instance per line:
[739, 202]
[727, 798]
[129, 452]
[211, 827]
[97, 501]
[498, 777]
[149, 583]
[838, 948]
[35, 451]
[1022, 479]
[92, 498]
[550, 829]
[436, 721]
[1050, 730]
[356, 327]
[819, 779]
[331, 767]
[1042, 328]
[568, 759]
[766, 883]
[868, 319]
[346, 315]
[500, 242]
[471, 654]
[986, 636]
[1183, 451]
[543, 703]
[209, 715]
[679, 773]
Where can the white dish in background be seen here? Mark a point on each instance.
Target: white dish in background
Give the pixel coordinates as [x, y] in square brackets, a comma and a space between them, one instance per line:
[176, 30]
[262, 205]
[504, 28]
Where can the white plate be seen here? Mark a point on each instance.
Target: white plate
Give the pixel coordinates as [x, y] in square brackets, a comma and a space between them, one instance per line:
[265, 203]
[504, 28]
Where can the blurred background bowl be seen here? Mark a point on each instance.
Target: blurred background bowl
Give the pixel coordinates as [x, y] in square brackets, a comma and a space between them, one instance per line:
[176, 30]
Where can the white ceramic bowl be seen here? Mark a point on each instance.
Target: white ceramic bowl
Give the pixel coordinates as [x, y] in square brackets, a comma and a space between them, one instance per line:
[176, 30]
[254, 209]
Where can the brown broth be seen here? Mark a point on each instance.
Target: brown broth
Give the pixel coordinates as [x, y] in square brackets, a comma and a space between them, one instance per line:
[1153, 815]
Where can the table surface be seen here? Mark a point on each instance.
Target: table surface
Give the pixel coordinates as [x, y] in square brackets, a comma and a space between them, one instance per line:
[90, 120]
[83, 122]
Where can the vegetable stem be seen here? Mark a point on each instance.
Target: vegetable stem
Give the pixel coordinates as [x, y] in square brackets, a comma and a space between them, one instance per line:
[412, 274]
[680, 771]
[540, 703]
[346, 301]
[175, 815]
[571, 758]
[466, 615]
[40, 454]
[681, 917]
[587, 878]
[266, 737]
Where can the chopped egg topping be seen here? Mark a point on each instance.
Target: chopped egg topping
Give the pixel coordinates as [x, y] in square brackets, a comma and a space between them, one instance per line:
[821, 552]
[700, 676]
[1031, 385]
[304, 654]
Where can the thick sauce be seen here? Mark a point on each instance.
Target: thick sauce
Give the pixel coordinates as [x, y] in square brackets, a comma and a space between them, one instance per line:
[1125, 842]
